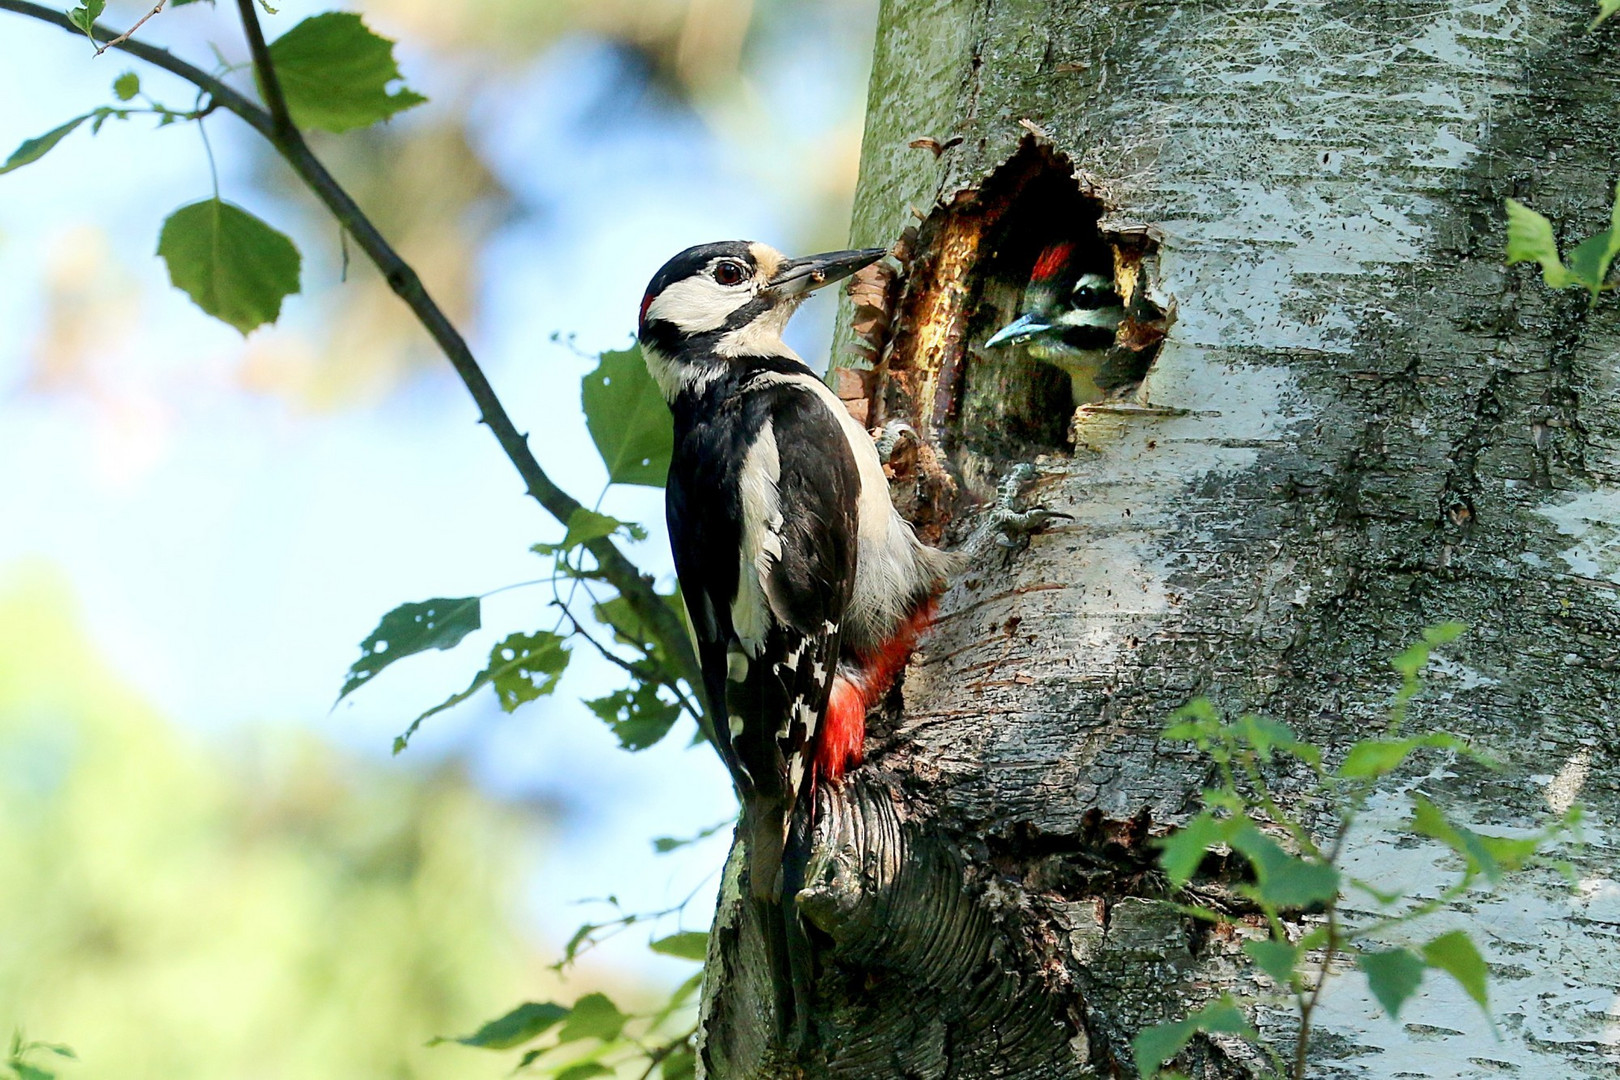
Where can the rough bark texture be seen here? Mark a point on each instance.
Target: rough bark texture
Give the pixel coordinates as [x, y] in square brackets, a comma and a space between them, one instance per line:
[1360, 423]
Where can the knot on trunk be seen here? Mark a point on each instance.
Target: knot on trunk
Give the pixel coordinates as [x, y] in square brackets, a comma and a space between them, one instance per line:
[921, 973]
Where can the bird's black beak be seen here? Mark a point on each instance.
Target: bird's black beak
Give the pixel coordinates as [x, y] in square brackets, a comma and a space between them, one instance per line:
[800, 276]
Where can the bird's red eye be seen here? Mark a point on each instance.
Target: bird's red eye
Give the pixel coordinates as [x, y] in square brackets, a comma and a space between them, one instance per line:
[728, 272]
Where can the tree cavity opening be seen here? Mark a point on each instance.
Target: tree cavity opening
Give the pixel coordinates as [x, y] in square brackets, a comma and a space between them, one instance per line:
[1064, 314]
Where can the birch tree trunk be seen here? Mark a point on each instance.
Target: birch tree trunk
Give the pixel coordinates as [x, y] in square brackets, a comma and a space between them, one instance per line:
[1360, 423]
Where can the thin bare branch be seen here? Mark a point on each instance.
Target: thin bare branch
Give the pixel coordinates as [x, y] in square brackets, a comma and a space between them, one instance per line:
[127, 34]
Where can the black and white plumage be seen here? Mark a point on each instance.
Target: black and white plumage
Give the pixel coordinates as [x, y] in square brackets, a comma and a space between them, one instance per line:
[804, 588]
[1069, 319]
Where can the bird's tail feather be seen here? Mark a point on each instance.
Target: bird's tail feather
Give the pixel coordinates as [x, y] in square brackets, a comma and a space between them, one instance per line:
[778, 850]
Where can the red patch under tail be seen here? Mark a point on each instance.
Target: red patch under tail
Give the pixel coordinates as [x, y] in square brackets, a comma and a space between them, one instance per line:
[843, 731]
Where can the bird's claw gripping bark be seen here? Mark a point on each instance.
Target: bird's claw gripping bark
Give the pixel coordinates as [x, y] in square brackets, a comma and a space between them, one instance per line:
[1009, 526]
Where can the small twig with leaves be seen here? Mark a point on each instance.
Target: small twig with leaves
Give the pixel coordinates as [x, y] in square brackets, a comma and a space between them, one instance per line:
[1241, 814]
[248, 300]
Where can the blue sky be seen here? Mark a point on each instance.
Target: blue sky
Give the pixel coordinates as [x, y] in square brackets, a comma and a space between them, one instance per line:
[230, 547]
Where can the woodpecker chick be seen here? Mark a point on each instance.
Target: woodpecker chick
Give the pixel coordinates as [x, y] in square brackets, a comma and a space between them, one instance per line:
[1069, 320]
[804, 589]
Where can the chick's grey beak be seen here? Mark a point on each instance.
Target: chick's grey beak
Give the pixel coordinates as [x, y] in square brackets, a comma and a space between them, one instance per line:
[799, 276]
[1020, 329]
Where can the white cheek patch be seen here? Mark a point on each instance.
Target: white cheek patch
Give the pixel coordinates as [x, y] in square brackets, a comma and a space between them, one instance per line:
[698, 304]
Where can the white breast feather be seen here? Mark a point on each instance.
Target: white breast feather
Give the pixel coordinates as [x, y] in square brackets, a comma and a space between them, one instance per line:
[891, 565]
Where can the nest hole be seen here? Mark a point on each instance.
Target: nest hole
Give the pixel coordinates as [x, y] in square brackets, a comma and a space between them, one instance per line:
[1062, 314]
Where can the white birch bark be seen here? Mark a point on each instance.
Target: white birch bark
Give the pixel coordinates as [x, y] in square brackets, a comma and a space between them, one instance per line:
[1372, 426]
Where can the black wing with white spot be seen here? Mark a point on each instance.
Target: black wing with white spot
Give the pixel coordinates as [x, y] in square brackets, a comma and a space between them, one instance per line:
[765, 555]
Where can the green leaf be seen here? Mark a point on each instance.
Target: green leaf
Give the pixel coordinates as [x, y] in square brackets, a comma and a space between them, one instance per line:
[571, 950]
[1182, 851]
[412, 628]
[25, 1071]
[1605, 9]
[126, 86]
[231, 264]
[1393, 975]
[1284, 880]
[1376, 757]
[1488, 855]
[585, 525]
[583, 1071]
[1156, 1045]
[1195, 722]
[1455, 954]
[682, 1064]
[1275, 958]
[33, 149]
[1444, 633]
[526, 666]
[594, 1017]
[686, 945]
[1263, 735]
[527, 1021]
[663, 845]
[628, 628]
[85, 15]
[1530, 239]
[1591, 259]
[521, 667]
[334, 73]
[628, 420]
[637, 714]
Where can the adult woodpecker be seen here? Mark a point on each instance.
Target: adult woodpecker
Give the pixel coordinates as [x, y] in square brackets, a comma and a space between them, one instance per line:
[1069, 320]
[804, 589]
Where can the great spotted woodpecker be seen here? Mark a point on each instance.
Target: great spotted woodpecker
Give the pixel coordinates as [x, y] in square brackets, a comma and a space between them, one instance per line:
[805, 591]
[1069, 319]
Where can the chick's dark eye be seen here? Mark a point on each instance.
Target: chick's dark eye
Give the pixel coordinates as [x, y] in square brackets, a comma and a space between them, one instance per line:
[729, 273]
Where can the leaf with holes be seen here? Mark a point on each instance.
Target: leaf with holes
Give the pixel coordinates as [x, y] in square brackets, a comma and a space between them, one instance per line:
[636, 715]
[1393, 975]
[521, 667]
[231, 264]
[412, 628]
[335, 73]
[628, 420]
[527, 1021]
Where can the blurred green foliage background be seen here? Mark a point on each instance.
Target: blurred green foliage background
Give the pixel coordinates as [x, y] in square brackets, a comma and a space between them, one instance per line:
[203, 870]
